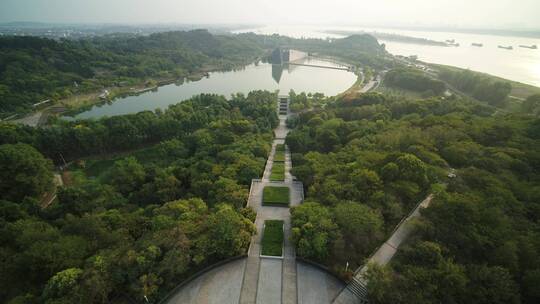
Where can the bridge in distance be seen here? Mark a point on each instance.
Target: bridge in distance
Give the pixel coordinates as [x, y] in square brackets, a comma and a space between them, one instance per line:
[283, 55]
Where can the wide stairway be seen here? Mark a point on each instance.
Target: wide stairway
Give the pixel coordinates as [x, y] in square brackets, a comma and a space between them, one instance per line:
[359, 289]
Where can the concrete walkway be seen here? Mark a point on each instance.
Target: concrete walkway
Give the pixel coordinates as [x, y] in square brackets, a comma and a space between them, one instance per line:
[263, 275]
[384, 253]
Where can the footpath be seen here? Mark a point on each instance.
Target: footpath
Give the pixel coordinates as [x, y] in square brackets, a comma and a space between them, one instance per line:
[269, 280]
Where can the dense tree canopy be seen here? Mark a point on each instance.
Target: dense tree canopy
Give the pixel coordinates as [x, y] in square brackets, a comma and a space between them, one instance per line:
[479, 86]
[153, 197]
[532, 105]
[156, 205]
[25, 172]
[414, 80]
[366, 161]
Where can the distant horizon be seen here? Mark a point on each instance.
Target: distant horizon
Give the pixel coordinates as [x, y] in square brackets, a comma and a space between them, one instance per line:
[171, 26]
[453, 14]
[248, 24]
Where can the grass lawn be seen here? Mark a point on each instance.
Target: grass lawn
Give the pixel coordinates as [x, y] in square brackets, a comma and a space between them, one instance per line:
[279, 156]
[278, 171]
[276, 196]
[272, 241]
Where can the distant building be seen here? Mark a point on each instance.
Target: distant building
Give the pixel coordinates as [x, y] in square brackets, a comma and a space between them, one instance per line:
[280, 56]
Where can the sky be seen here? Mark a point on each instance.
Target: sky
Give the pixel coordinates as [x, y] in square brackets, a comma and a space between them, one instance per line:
[441, 13]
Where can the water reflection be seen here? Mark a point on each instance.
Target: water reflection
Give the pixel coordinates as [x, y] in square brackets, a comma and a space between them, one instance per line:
[260, 76]
[520, 64]
[277, 70]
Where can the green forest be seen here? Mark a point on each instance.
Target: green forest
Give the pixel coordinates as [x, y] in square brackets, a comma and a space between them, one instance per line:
[366, 161]
[479, 86]
[153, 197]
[414, 80]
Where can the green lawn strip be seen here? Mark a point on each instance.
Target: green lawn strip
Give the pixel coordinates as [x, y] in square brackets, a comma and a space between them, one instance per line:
[276, 196]
[278, 171]
[272, 241]
[279, 156]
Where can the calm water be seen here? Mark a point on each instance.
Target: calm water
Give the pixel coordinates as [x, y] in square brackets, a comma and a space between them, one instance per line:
[520, 64]
[253, 77]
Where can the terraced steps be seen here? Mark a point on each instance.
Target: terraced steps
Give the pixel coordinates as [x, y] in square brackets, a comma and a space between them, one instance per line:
[359, 289]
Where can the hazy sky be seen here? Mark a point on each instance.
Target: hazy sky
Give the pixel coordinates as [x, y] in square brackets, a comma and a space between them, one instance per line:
[462, 13]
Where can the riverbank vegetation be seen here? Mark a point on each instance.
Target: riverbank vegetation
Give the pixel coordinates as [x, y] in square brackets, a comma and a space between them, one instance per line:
[393, 37]
[519, 90]
[36, 69]
[153, 197]
[414, 80]
[367, 161]
[480, 87]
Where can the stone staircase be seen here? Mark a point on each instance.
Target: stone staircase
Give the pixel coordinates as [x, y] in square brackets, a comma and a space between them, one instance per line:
[359, 289]
[283, 105]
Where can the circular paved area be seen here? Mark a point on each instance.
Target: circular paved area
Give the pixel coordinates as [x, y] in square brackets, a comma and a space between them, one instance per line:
[223, 285]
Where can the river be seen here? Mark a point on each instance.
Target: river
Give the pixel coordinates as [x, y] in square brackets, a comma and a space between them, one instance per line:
[519, 64]
[261, 76]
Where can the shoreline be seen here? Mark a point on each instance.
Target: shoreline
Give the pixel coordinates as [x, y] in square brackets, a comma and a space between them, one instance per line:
[80, 103]
[70, 113]
[70, 108]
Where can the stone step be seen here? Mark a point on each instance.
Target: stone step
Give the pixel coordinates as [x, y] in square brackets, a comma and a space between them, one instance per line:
[358, 288]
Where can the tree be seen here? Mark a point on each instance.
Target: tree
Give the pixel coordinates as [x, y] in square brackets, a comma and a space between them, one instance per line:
[360, 226]
[25, 172]
[227, 190]
[64, 285]
[413, 169]
[444, 282]
[127, 175]
[531, 105]
[313, 230]
[229, 232]
[531, 281]
[364, 183]
[493, 285]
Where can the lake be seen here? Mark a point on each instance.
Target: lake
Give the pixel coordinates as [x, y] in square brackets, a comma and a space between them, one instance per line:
[260, 76]
[519, 64]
